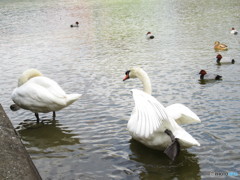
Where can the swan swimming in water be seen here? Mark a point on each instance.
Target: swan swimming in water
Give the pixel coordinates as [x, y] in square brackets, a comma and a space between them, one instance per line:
[155, 126]
[40, 94]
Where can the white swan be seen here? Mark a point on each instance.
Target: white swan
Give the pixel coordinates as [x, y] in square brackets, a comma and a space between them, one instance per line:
[40, 94]
[156, 126]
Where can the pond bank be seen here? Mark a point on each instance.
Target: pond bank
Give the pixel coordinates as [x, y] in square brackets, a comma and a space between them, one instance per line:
[15, 162]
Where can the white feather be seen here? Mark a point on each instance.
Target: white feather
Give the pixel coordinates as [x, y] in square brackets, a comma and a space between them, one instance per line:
[150, 119]
[148, 114]
[41, 94]
[182, 114]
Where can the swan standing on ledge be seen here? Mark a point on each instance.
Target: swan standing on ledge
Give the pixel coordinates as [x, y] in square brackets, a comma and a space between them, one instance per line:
[40, 94]
[156, 126]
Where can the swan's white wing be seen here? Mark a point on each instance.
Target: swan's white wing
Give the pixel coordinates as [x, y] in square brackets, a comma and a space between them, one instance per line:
[56, 93]
[182, 114]
[148, 115]
[50, 85]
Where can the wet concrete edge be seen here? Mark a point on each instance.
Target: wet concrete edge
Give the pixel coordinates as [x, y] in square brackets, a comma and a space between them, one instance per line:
[15, 162]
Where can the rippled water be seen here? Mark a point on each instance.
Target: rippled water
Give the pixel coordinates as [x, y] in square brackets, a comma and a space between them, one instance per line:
[89, 139]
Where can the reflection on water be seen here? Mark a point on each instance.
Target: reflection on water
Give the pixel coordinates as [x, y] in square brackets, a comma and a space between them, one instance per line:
[89, 139]
[207, 81]
[156, 162]
[46, 137]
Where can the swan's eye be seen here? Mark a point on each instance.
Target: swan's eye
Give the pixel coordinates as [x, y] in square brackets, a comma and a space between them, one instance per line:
[127, 72]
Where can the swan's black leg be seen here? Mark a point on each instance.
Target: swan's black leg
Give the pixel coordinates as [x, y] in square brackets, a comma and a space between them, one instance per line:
[37, 116]
[54, 115]
[173, 150]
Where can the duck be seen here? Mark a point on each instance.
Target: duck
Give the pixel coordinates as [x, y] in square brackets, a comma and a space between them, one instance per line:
[234, 31]
[220, 47]
[205, 76]
[40, 94]
[74, 25]
[149, 35]
[224, 61]
[156, 126]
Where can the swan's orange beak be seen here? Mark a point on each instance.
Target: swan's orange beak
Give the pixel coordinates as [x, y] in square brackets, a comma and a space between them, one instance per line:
[126, 77]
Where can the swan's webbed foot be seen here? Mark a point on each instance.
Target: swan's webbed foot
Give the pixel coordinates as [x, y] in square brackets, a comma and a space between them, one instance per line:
[37, 116]
[173, 150]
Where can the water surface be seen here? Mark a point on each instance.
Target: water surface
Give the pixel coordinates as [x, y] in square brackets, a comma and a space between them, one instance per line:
[89, 139]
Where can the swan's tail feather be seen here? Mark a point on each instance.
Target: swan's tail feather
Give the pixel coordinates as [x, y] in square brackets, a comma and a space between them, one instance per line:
[72, 97]
[185, 139]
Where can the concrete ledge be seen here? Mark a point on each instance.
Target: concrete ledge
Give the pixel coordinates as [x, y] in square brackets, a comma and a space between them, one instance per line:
[15, 162]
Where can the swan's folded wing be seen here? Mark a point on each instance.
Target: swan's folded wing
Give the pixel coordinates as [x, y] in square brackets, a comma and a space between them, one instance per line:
[50, 85]
[31, 96]
[148, 115]
[182, 114]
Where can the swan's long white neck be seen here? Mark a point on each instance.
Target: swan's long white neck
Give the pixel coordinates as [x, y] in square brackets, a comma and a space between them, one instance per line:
[28, 74]
[143, 77]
